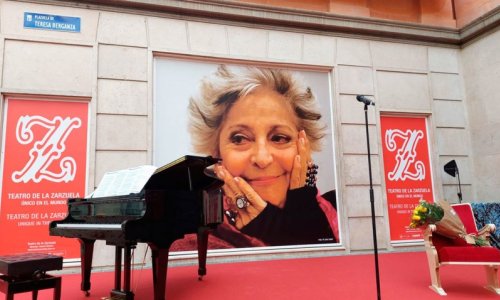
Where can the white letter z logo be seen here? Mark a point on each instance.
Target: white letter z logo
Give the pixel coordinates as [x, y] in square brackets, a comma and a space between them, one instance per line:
[47, 150]
[405, 154]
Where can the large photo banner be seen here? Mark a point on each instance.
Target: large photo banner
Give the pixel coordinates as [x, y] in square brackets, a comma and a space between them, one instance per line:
[44, 163]
[408, 176]
[272, 130]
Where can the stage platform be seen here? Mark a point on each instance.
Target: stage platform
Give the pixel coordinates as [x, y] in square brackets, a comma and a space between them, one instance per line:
[402, 276]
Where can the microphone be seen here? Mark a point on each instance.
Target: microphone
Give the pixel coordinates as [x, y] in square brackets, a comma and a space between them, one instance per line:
[365, 100]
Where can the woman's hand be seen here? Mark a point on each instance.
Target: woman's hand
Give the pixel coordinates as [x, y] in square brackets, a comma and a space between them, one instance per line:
[235, 187]
[299, 171]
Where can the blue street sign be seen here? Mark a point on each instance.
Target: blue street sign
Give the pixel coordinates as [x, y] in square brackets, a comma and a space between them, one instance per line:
[51, 22]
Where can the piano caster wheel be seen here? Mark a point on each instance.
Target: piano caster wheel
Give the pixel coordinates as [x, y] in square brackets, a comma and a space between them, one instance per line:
[86, 293]
[200, 278]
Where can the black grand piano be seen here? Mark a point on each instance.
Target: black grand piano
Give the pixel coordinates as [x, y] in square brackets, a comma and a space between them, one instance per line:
[179, 198]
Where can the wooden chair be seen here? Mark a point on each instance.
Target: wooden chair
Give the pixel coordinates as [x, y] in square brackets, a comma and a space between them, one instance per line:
[443, 251]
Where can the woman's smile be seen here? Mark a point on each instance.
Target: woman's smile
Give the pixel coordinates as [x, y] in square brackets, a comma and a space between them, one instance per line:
[263, 180]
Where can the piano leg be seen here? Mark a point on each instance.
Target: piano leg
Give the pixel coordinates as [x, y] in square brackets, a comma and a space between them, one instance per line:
[86, 254]
[202, 239]
[118, 268]
[159, 258]
[126, 269]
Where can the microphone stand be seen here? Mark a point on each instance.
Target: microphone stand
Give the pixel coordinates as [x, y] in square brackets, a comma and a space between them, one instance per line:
[459, 187]
[372, 202]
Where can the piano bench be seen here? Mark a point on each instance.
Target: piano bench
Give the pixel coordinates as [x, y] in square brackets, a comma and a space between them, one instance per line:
[21, 273]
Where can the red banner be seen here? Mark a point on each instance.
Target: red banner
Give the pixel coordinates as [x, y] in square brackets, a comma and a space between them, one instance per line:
[44, 164]
[408, 175]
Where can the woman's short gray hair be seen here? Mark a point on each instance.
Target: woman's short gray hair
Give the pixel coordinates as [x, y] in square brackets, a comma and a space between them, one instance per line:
[218, 93]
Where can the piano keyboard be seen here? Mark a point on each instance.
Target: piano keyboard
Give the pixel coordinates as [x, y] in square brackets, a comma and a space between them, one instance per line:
[91, 226]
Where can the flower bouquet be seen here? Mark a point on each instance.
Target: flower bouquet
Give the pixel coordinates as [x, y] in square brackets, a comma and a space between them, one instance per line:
[426, 213]
[446, 220]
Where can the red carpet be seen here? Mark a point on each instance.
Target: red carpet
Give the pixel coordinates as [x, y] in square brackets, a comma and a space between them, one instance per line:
[402, 276]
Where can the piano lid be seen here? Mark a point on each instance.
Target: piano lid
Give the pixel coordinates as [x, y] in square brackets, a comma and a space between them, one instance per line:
[185, 173]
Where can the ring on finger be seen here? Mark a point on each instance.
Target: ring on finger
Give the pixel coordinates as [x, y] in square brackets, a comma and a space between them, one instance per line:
[242, 202]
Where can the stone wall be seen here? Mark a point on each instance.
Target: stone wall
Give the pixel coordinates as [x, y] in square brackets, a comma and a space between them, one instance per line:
[110, 64]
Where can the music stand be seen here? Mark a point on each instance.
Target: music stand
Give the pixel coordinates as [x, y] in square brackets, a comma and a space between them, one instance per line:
[451, 168]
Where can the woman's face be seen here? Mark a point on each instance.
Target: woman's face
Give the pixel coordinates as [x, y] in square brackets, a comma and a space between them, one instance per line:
[258, 142]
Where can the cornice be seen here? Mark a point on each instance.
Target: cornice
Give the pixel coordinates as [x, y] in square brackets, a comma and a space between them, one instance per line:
[482, 25]
[259, 16]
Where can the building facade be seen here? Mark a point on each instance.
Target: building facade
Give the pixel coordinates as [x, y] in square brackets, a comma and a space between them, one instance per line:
[444, 71]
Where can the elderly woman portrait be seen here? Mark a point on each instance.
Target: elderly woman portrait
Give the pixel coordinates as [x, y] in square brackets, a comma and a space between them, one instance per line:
[264, 125]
